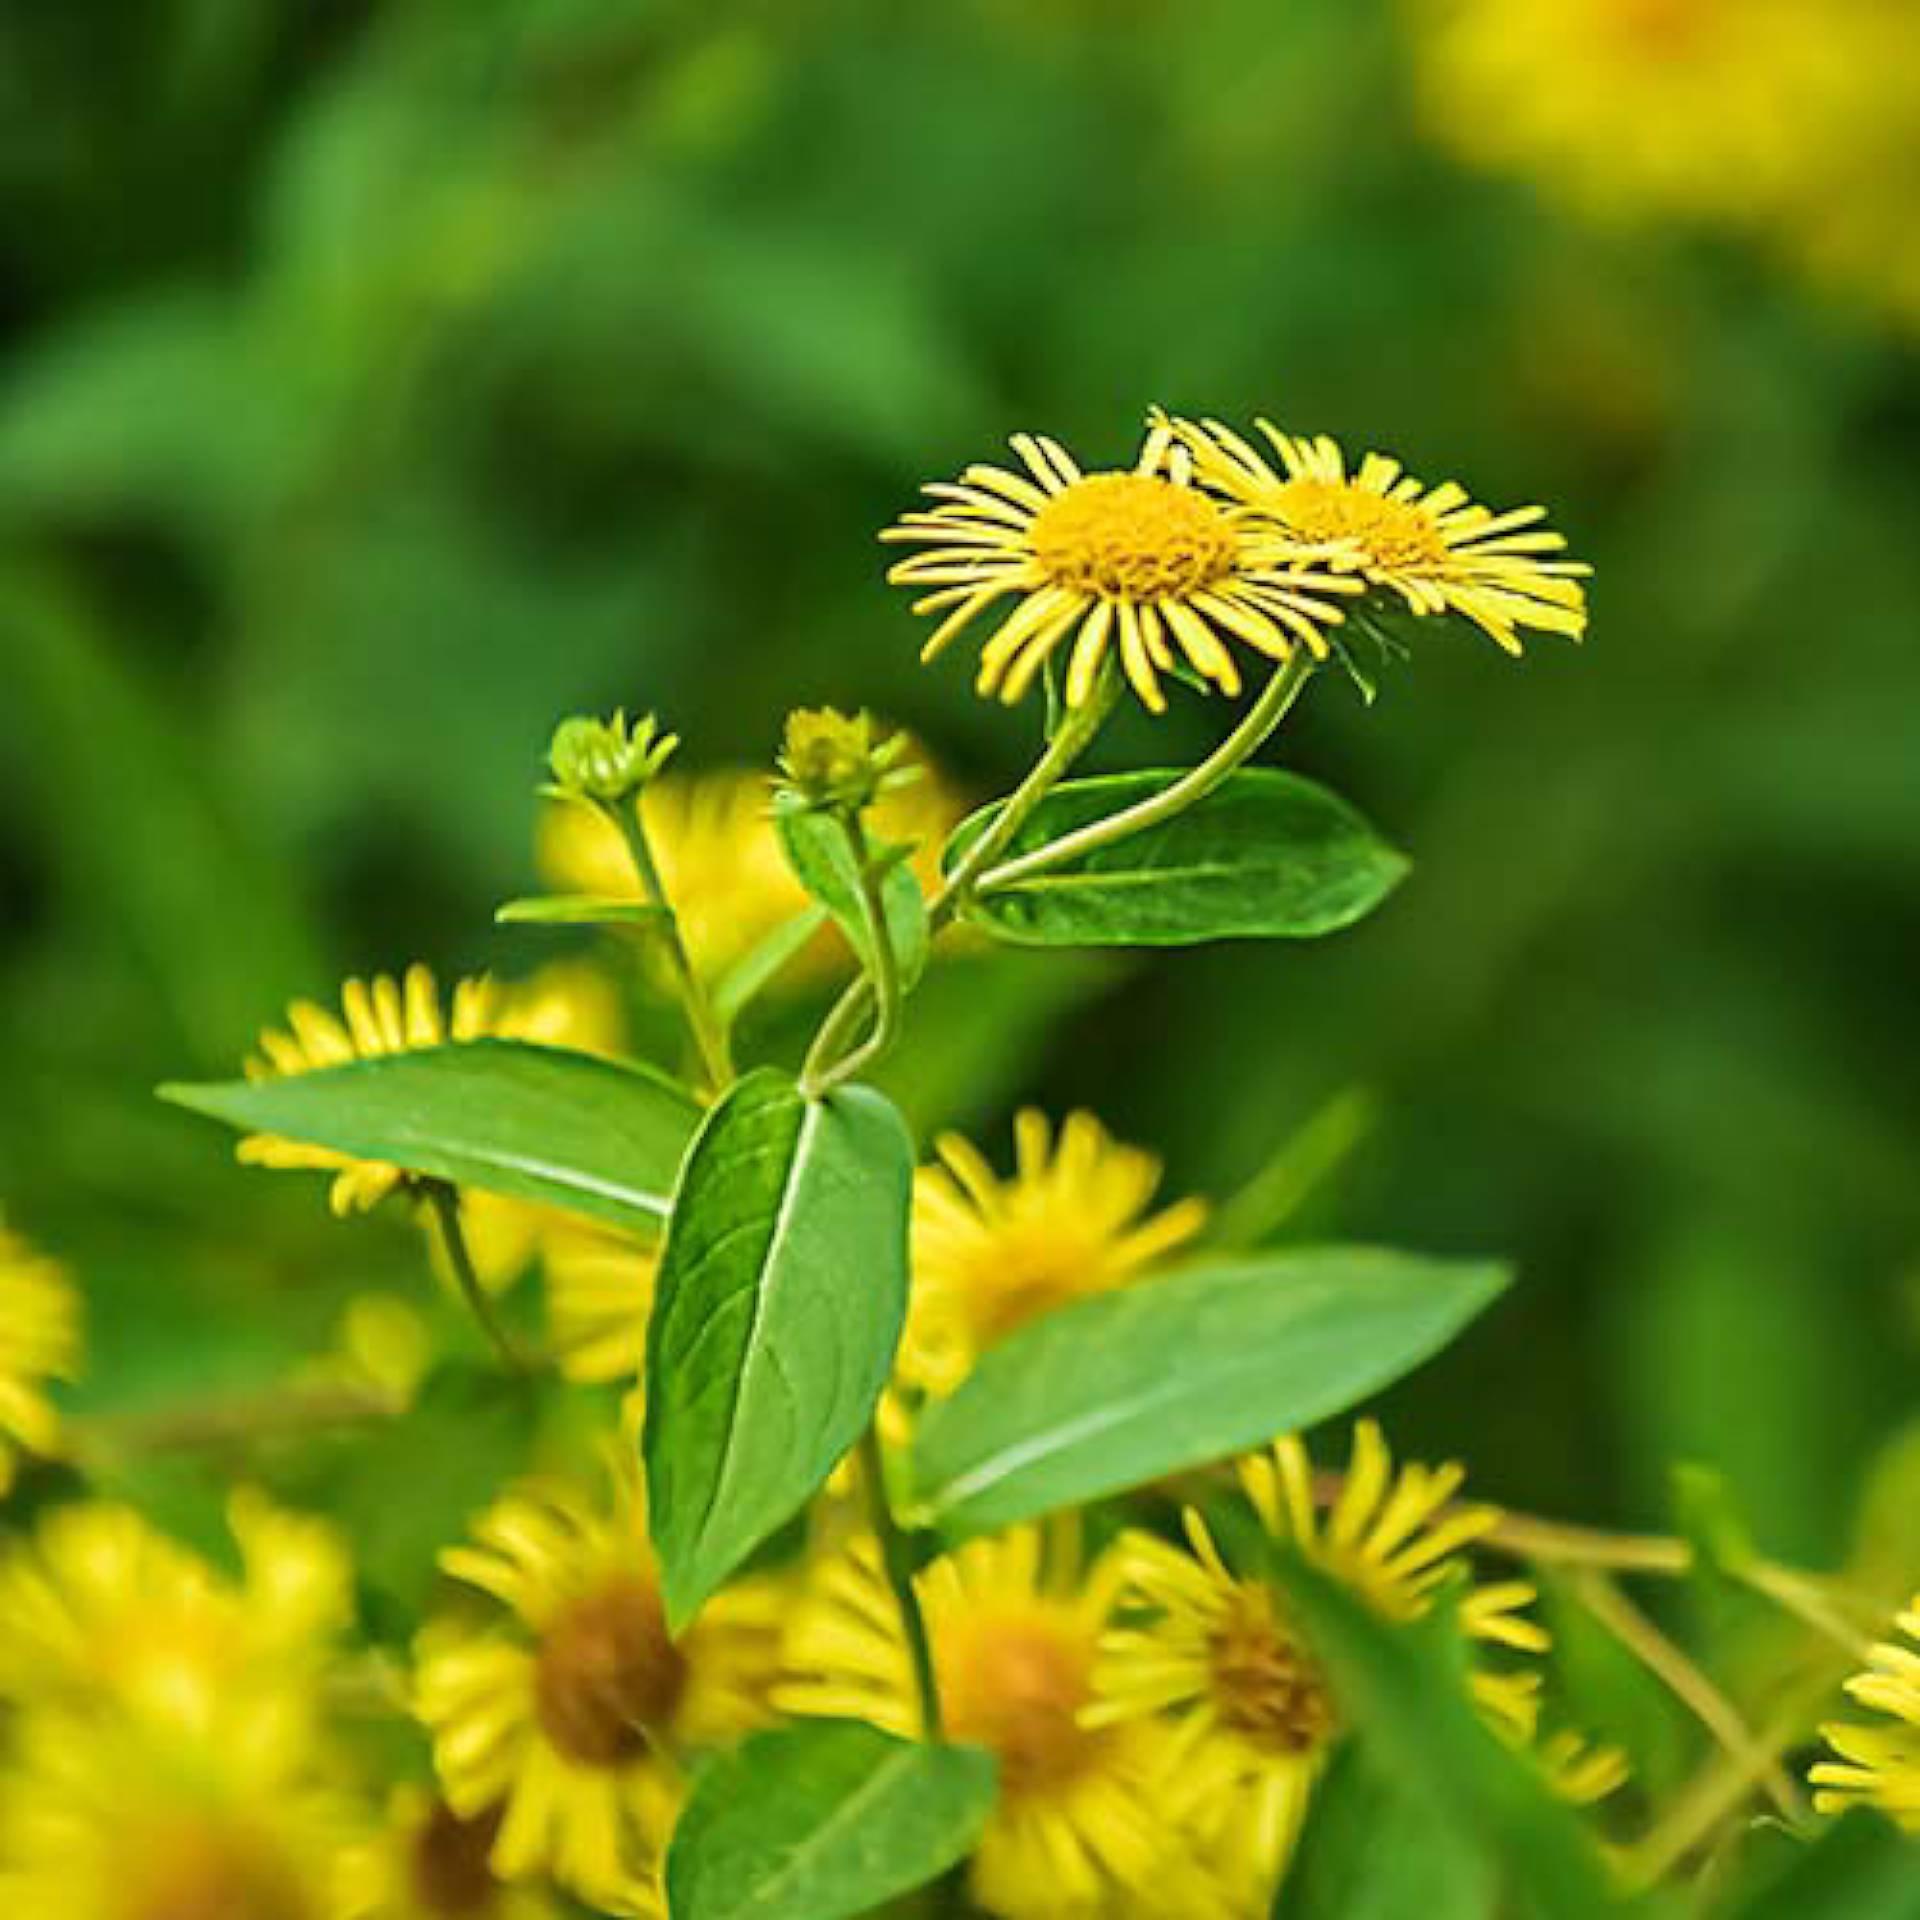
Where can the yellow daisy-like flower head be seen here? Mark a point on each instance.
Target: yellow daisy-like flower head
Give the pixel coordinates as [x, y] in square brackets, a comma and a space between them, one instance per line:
[1431, 547]
[1210, 1644]
[106, 1822]
[571, 1714]
[713, 840]
[430, 1863]
[1878, 1765]
[39, 1342]
[1016, 1645]
[1141, 563]
[102, 1615]
[989, 1255]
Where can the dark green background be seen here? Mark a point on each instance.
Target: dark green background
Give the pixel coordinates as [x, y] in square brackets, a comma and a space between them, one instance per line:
[382, 381]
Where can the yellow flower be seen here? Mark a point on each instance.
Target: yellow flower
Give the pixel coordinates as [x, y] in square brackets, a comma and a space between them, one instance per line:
[1212, 1647]
[572, 1713]
[1879, 1765]
[101, 1614]
[1140, 562]
[108, 1822]
[599, 1294]
[713, 839]
[429, 1863]
[1431, 546]
[39, 1341]
[1724, 109]
[989, 1254]
[1076, 1827]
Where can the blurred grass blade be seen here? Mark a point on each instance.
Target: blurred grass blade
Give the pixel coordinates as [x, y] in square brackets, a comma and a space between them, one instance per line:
[823, 1822]
[570, 1130]
[579, 910]
[1168, 1375]
[745, 978]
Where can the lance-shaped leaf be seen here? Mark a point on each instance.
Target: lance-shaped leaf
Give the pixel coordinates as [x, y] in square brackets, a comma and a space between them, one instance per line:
[1406, 1688]
[1265, 855]
[818, 851]
[781, 1293]
[1128, 1387]
[823, 1822]
[570, 1130]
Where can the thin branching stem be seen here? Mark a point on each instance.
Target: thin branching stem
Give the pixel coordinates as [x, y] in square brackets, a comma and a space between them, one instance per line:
[443, 1200]
[896, 1561]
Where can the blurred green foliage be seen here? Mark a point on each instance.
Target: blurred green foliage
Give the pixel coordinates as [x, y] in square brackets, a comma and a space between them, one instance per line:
[383, 380]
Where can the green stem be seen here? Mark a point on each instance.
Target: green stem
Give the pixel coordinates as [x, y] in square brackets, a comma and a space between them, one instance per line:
[896, 1561]
[445, 1202]
[709, 1032]
[821, 1072]
[1074, 737]
[1255, 726]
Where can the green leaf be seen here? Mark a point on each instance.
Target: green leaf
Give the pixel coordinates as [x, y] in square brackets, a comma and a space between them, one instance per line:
[566, 1129]
[580, 910]
[756, 968]
[1170, 1374]
[1861, 1868]
[821, 1822]
[817, 849]
[1265, 855]
[1372, 1850]
[781, 1293]
[1405, 1689]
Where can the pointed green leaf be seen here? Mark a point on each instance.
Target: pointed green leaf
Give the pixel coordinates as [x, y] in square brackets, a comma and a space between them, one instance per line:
[1265, 855]
[781, 1293]
[1406, 1689]
[1127, 1387]
[566, 1129]
[1862, 1867]
[823, 1822]
[817, 850]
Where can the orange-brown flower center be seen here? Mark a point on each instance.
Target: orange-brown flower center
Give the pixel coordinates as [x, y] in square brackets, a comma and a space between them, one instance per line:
[1392, 535]
[607, 1672]
[1264, 1686]
[200, 1871]
[1130, 536]
[451, 1874]
[1016, 1685]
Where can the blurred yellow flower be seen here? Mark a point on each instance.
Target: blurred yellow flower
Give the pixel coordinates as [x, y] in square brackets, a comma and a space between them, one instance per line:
[429, 1863]
[112, 1822]
[39, 1341]
[1077, 1827]
[599, 1293]
[1878, 1765]
[1723, 108]
[103, 1615]
[713, 840]
[989, 1254]
[573, 1712]
[1140, 563]
[1431, 546]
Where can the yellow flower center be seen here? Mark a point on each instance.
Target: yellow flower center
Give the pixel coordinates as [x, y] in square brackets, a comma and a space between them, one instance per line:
[1264, 1687]
[451, 1874]
[1395, 535]
[1130, 536]
[607, 1671]
[1016, 1685]
[200, 1871]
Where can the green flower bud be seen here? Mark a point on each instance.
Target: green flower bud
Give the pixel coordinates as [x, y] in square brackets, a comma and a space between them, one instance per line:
[832, 762]
[606, 760]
